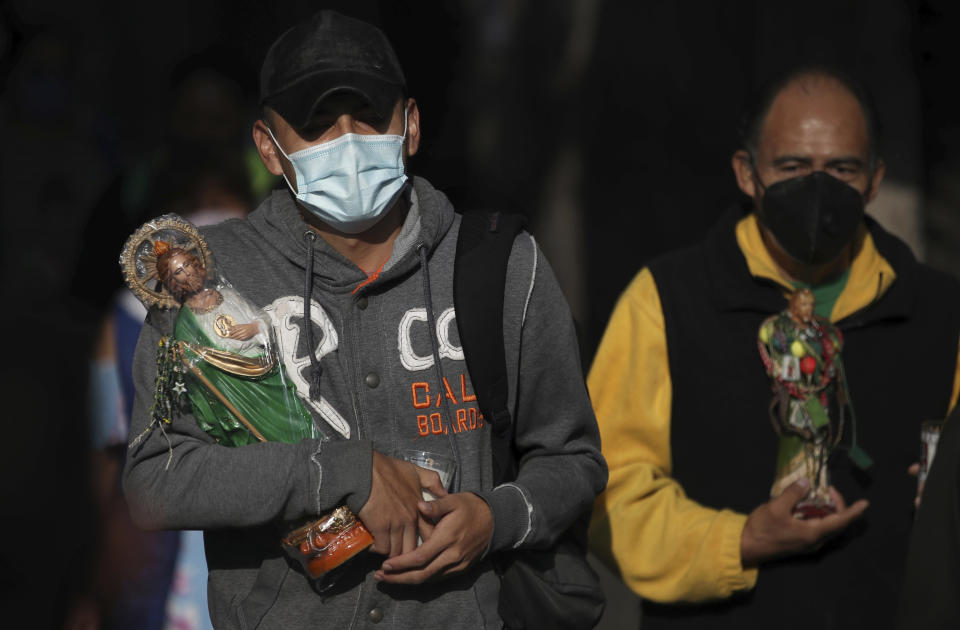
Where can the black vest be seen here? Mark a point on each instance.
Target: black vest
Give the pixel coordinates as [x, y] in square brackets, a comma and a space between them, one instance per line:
[900, 354]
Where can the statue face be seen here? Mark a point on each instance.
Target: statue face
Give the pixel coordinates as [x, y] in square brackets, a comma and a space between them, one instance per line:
[802, 308]
[186, 274]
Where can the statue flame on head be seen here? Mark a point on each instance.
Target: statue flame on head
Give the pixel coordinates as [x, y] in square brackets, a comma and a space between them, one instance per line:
[801, 353]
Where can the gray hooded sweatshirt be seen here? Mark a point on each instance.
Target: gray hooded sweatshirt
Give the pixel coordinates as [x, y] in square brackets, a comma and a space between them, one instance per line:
[379, 389]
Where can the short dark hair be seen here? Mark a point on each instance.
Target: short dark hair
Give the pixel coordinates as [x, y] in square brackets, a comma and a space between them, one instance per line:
[751, 122]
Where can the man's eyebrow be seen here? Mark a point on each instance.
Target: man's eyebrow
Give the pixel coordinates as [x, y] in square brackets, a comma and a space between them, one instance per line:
[846, 160]
[783, 159]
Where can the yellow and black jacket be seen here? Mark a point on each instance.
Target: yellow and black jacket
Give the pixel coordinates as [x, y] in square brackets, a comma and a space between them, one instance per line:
[682, 399]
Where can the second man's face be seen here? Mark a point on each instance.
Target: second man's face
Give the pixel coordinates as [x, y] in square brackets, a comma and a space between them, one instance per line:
[814, 124]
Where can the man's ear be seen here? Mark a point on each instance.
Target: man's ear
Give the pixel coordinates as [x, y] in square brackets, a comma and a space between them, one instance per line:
[743, 170]
[879, 171]
[266, 148]
[413, 127]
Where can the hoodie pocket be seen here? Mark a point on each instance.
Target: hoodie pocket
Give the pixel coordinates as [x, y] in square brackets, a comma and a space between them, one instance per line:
[487, 593]
[263, 594]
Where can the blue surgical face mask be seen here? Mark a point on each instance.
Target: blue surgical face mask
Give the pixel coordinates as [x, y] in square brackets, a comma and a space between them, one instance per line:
[349, 183]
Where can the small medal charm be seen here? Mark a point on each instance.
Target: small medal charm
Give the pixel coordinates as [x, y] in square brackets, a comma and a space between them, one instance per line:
[223, 324]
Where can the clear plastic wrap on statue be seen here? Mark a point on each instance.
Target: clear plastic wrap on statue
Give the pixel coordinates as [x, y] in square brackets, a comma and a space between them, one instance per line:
[222, 359]
[801, 354]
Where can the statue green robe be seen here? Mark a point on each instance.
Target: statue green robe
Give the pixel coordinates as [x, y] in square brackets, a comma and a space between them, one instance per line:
[269, 402]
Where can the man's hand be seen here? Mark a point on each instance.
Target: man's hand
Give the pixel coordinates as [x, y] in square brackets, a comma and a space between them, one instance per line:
[772, 531]
[391, 511]
[430, 481]
[464, 525]
[431, 487]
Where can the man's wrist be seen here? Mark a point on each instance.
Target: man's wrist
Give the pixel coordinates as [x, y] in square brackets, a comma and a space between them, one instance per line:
[512, 516]
[487, 549]
[749, 556]
[345, 473]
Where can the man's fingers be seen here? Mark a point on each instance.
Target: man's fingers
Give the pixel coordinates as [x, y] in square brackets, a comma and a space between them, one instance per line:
[436, 489]
[784, 504]
[813, 533]
[430, 481]
[840, 520]
[914, 469]
[416, 576]
[838, 499]
[396, 540]
[859, 508]
[381, 540]
[425, 527]
[409, 538]
[381, 545]
[417, 558]
[435, 510]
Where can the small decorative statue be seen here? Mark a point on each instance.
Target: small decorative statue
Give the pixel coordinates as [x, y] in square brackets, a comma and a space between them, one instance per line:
[222, 349]
[801, 353]
[223, 357]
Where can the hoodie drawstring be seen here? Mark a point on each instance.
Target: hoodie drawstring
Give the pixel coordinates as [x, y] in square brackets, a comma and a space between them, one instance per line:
[432, 324]
[315, 370]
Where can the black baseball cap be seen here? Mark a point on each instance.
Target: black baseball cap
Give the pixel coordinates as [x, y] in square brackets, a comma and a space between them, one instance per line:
[327, 54]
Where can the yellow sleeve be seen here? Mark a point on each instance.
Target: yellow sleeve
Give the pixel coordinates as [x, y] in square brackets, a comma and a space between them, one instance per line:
[665, 547]
[956, 386]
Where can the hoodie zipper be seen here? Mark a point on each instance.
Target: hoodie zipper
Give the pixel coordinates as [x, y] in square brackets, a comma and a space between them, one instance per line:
[421, 250]
[316, 371]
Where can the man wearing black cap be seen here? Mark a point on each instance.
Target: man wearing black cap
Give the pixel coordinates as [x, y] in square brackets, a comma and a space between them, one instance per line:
[364, 255]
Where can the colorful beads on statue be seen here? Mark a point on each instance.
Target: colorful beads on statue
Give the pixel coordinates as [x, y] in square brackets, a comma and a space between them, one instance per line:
[765, 331]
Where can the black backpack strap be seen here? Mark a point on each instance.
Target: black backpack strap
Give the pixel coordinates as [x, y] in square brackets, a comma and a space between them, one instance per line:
[479, 279]
[553, 588]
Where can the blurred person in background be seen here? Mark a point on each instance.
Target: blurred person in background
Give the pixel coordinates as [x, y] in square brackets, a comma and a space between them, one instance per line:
[683, 399]
[150, 579]
[932, 575]
[203, 172]
[207, 118]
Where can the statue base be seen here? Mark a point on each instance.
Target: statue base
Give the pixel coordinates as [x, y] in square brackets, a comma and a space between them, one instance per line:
[813, 508]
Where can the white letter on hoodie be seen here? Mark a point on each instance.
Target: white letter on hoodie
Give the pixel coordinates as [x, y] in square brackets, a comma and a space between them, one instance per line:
[282, 312]
[410, 359]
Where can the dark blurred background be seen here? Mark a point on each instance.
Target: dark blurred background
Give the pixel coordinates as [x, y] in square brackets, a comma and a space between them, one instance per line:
[609, 124]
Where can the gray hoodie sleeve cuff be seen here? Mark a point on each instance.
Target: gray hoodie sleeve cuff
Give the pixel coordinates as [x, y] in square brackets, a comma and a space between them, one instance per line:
[344, 472]
[512, 516]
